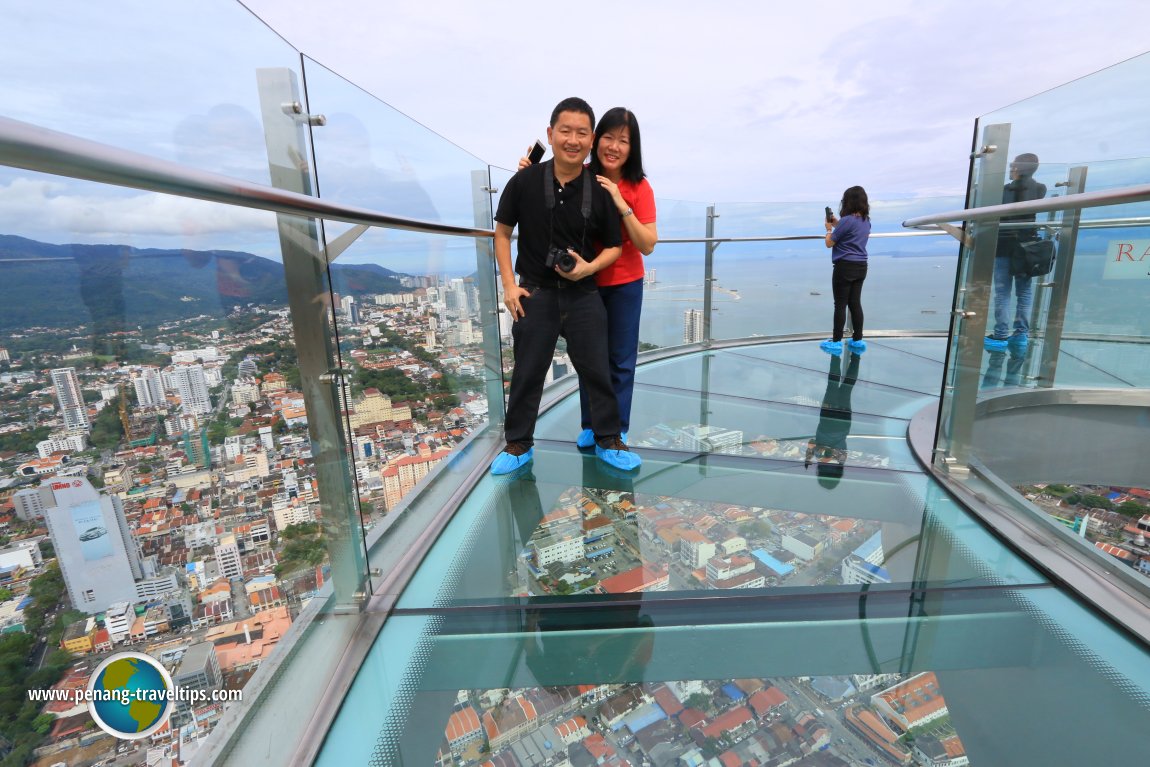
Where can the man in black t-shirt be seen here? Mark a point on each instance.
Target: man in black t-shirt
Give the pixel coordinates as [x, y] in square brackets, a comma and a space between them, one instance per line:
[563, 216]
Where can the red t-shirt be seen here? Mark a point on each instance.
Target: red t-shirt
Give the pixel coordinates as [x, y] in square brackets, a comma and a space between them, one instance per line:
[629, 266]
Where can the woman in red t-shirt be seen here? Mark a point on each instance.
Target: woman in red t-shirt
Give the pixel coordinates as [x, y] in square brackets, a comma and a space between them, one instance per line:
[617, 162]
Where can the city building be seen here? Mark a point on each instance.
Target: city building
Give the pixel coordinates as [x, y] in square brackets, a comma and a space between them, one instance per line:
[864, 564]
[149, 386]
[98, 556]
[29, 502]
[692, 326]
[227, 553]
[192, 387]
[70, 399]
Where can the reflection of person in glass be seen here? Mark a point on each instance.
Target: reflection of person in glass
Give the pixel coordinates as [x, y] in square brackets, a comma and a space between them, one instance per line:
[227, 139]
[828, 448]
[102, 290]
[1022, 187]
[1004, 367]
[612, 642]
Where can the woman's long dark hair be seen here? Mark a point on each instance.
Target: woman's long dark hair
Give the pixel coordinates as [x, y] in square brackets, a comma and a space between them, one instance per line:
[616, 118]
[854, 201]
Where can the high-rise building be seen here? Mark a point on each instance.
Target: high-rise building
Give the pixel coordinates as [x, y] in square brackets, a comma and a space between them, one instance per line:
[193, 389]
[692, 326]
[70, 399]
[149, 387]
[30, 503]
[98, 556]
[227, 553]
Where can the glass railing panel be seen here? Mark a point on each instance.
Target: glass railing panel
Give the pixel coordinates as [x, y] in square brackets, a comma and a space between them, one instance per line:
[1084, 330]
[176, 82]
[1110, 274]
[177, 358]
[413, 310]
[1110, 363]
[845, 676]
[370, 155]
[779, 287]
[673, 293]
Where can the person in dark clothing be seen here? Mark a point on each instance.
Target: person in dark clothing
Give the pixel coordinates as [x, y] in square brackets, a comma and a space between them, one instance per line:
[827, 449]
[1022, 187]
[847, 237]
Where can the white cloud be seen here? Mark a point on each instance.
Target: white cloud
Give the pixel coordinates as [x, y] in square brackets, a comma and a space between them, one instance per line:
[738, 100]
[45, 207]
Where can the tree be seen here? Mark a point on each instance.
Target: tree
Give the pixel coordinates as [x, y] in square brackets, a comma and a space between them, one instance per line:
[1097, 502]
[43, 723]
[1132, 509]
[5, 594]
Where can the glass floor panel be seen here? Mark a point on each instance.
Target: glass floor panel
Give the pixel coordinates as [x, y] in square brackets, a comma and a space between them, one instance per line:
[981, 672]
[744, 605]
[735, 373]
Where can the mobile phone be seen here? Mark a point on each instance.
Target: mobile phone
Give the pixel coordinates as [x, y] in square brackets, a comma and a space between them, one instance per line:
[830, 214]
[536, 153]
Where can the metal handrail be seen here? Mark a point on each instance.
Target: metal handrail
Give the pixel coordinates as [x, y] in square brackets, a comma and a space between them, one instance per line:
[1126, 194]
[787, 237]
[27, 146]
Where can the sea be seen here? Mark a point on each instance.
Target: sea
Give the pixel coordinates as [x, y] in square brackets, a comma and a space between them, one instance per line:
[778, 296]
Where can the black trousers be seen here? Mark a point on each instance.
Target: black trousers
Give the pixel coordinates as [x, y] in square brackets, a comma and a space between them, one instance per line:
[576, 312]
[846, 284]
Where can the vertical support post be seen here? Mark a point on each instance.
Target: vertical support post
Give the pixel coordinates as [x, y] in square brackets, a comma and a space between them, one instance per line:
[1059, 285]
[309, 298]
[973, 305]
[708, 282]
[709, 274]
[489, 307]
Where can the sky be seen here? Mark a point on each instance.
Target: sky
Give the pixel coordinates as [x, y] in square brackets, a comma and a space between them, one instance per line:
[737, 101]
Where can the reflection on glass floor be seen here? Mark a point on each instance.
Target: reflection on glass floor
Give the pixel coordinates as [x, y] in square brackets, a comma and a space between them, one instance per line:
[747, 595]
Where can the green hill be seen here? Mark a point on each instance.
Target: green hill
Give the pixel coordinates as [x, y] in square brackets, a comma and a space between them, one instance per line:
[46, 285]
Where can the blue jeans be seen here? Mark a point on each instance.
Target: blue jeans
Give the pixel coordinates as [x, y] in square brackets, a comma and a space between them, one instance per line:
[624, 304]
[1023, 290]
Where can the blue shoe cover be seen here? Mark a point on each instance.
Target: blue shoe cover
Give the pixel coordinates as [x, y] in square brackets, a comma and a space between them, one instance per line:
[620, 459]
[858, 347]
[586, 439]
[505, 463]
[1018, 341]
[832, 347]
[993, 344]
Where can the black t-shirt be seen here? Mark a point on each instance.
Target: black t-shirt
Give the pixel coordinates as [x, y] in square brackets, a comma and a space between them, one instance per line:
[523, 204]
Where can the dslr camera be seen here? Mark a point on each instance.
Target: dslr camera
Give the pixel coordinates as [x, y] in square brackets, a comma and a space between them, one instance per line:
[561, 258]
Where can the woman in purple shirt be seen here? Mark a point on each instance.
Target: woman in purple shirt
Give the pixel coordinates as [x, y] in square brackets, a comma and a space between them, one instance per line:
[847, 237]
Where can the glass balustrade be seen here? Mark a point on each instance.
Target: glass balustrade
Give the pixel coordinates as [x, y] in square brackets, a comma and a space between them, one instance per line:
[1064, 369]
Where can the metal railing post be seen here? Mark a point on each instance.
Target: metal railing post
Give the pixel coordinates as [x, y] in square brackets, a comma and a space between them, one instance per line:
[1059, 282]
[972, 305]
[307, 278]
[489, 307]
[709, 274]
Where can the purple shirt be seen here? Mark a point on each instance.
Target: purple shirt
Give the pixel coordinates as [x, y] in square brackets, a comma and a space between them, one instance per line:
[850, 237]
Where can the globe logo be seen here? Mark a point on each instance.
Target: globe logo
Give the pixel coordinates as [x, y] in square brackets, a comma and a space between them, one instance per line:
[131, 695]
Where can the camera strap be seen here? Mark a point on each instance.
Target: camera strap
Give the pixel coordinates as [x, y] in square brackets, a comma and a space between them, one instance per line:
[549, 197]
[549, 189]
